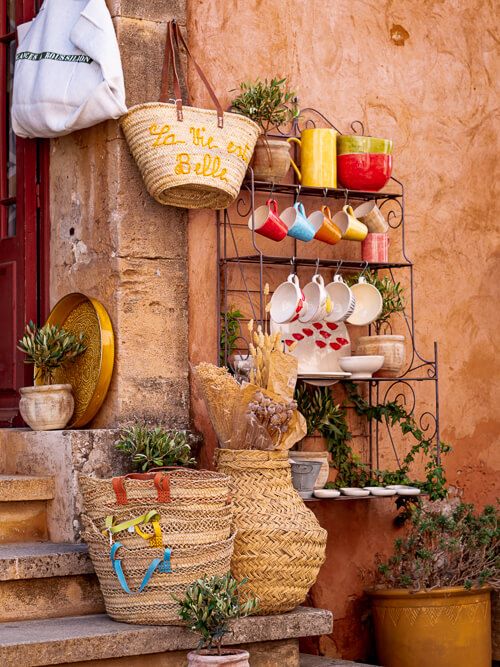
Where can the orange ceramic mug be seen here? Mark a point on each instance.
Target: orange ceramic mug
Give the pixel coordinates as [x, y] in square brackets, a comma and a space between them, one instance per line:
[324, 228]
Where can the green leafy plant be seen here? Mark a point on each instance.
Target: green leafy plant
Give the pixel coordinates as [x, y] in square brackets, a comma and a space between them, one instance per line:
[229, 332]
[453, 547]
[210, 604]
[153, 446]
[268, 103]
[48, 348]
[393, 299]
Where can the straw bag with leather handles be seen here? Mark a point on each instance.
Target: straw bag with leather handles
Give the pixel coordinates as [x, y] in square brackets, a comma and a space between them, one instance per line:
[189, 157]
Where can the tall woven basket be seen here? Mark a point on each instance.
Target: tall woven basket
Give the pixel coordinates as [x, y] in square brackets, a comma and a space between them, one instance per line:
[185, 529]
[279, 546]
[187, 156]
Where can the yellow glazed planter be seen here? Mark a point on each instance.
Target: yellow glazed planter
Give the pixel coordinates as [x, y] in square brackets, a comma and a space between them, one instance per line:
[445, 627]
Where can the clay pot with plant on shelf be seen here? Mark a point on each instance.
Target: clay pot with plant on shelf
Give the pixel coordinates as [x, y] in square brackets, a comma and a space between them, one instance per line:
[208, 607]
[390, 346]
[47, 406]
[269, 104]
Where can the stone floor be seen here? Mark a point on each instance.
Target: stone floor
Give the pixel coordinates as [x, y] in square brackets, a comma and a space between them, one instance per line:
[318, 661]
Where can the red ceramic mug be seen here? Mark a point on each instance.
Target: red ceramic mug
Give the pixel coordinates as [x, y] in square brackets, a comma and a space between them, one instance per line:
[266, 221]
[375, 248]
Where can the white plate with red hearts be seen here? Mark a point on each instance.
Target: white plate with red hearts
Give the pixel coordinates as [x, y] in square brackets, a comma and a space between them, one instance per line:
[319, 345]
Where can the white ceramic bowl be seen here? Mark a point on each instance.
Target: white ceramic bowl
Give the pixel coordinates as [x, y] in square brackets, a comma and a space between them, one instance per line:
[361, 367]
[326, 493]
[380, 491]
[368, 304]
[408, 491]
[354, 492]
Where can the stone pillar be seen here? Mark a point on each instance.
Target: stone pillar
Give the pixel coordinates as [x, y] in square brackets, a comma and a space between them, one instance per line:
[112, 241]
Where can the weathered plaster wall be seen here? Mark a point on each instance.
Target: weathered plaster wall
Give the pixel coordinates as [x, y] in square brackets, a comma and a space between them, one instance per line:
[110, 240]
[423, 74]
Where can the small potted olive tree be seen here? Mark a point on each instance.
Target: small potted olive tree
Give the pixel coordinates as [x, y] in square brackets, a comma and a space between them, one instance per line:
[208, 608]
[431, 602]
[390, 346]
[269, 104]
[47, 406]
[149, 447]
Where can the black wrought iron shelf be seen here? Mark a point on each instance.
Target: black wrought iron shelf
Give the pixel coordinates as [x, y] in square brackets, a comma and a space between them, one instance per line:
[354, 265]
[295, 189]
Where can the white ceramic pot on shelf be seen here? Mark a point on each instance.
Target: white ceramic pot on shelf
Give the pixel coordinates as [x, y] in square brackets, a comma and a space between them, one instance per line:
[47, 407]
[390, 346]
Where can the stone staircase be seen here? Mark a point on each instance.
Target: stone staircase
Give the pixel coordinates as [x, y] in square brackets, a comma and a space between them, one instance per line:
[51, 607]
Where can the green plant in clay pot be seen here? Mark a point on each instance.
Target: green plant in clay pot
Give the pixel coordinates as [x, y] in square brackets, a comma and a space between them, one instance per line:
[208, 607]
[148, 447]
[270, 104]
[437, 584]
[47, 406]
[390, 346]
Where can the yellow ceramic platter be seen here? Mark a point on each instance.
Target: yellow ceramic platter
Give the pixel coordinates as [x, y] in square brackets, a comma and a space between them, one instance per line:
[90, 374]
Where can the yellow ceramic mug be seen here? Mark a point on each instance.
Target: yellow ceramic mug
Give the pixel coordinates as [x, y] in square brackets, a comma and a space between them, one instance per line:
[318, 157]
[350, 227]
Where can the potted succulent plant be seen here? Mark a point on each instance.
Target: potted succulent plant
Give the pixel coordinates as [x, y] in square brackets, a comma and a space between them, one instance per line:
[208, 608]
[269, 104]
[390, 346]
[431, 602]
[47, 406]
[154, 447]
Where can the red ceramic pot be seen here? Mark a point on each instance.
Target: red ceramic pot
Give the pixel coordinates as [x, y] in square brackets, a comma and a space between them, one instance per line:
[364, 171]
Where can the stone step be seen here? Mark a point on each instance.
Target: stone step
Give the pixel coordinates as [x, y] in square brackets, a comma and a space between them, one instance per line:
[319, 661]
[45, 580]
[83, 639]
[23, 508]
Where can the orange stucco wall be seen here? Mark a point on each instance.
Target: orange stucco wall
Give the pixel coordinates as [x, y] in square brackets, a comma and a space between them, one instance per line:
[423, 74]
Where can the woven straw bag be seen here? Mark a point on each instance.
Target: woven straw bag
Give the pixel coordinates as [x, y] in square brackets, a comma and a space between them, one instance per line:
[151, 535]
[189, 157]
[279, 546]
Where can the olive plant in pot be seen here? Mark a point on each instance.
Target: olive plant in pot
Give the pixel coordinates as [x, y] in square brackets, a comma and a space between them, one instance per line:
[148, 447]
[431, 601]
[47, 406]
[208, 607]
[269, 104]
[390, 346]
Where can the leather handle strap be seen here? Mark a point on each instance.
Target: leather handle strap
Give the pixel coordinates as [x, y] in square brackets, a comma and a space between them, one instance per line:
[174, 38]
[161, 482]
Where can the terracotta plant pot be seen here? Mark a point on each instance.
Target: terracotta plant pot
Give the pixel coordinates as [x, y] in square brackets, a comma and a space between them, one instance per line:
[47, 407]
[445, 627]
[229, 658]
[392, 347]
[271, 160]
[321, 457]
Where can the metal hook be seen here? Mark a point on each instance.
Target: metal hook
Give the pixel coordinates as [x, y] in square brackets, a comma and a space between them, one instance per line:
[325, 194]
[357, 122]
[297, 192]
[294, 266]
[317, 267]
[364, 268]
[346, 195]
[338, 268]
[272, 189]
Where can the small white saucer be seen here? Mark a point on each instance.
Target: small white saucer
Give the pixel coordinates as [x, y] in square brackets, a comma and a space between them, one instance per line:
[408, 491]
[380, 491]
[326, 493]
[354, 492]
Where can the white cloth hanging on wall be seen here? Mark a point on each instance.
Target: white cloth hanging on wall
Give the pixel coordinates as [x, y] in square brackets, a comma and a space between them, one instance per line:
[68, 73]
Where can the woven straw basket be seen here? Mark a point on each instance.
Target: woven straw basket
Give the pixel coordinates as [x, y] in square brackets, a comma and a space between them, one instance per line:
[279, 546]
[189, 157]
[195, 515]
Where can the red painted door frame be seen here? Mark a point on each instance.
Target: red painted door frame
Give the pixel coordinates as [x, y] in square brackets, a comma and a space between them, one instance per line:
[24, 254]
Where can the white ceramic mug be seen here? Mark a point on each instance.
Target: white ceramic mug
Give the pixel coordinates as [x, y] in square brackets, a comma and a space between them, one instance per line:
[342, 298]
[318, 302]
[287, 302]
[369, 303]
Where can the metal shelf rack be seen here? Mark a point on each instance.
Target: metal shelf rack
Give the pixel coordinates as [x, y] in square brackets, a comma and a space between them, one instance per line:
[230, 225]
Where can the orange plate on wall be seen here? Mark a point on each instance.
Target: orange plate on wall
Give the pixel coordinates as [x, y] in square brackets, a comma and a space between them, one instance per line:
[90, 374]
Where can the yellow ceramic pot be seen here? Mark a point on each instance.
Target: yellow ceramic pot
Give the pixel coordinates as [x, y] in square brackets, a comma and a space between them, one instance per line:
[318, 157]
[445, 627]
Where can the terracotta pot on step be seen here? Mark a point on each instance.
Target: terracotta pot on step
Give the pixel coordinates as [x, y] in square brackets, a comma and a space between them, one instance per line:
[47, 407]
[392, 347]
[271, 160]
[228, 658]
